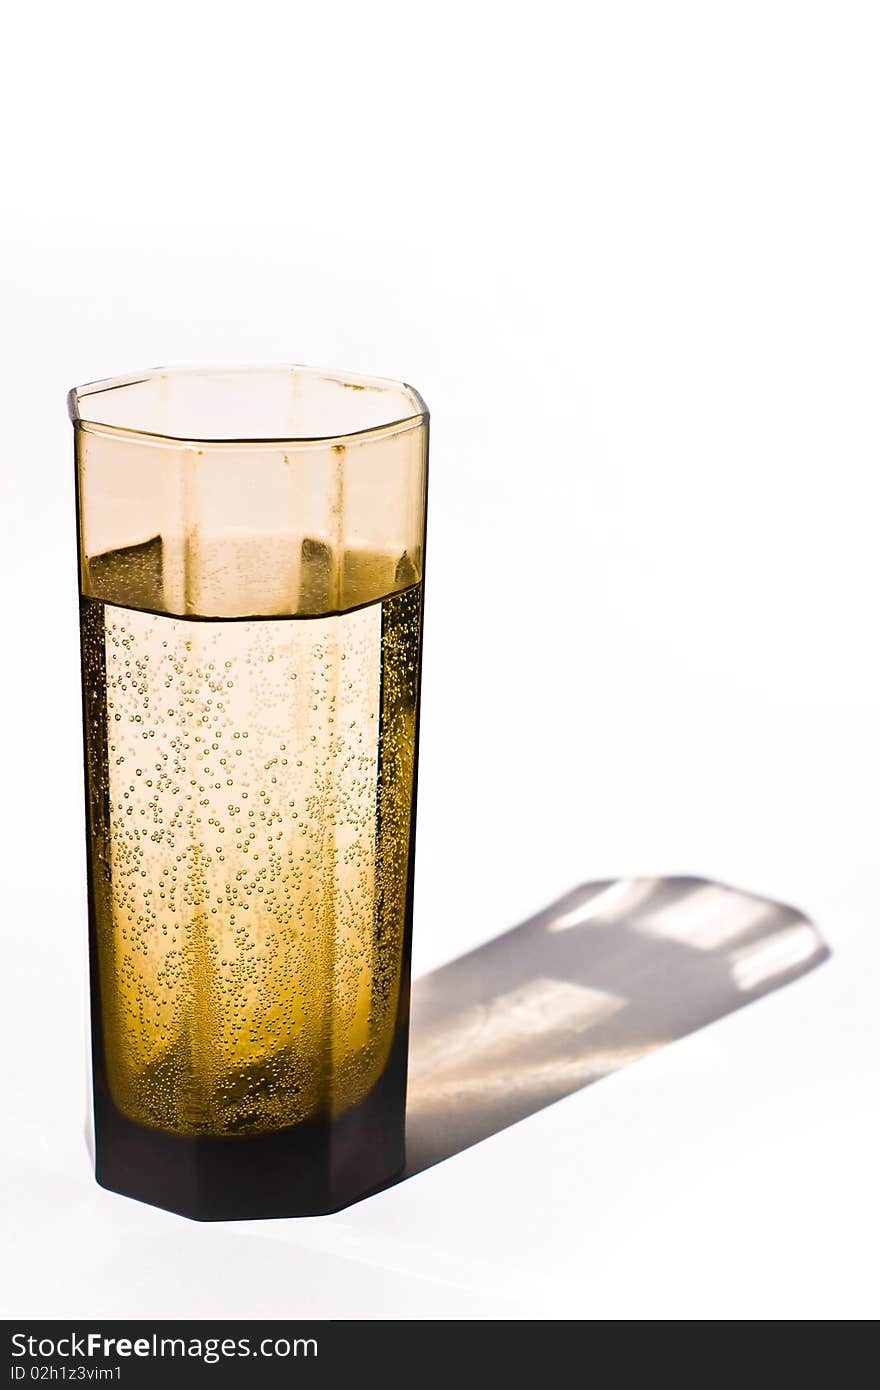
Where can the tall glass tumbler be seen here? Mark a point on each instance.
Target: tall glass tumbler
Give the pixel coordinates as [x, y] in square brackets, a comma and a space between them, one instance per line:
[251, 549]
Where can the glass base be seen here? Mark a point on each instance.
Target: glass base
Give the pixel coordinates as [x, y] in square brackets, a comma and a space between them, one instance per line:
[309, 1169]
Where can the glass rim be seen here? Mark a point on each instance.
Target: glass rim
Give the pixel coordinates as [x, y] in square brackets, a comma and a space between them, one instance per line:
[354, 380]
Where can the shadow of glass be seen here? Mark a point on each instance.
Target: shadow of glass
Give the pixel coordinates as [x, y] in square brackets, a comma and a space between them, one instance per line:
[598, 979]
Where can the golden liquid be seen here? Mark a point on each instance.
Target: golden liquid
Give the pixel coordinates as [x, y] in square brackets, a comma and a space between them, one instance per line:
[250, 786]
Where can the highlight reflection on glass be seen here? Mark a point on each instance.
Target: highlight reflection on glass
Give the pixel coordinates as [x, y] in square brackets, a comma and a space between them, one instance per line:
[251, 561]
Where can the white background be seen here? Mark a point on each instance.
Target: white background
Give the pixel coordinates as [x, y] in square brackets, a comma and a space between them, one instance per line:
[629, 254]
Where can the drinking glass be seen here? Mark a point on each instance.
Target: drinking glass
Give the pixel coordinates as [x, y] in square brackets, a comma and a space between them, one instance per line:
[251, 547]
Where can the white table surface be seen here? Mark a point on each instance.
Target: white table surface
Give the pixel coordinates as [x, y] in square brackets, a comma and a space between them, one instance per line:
[729, 1173]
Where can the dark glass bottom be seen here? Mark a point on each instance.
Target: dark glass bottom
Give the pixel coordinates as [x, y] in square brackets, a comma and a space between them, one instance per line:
[309, 1169]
